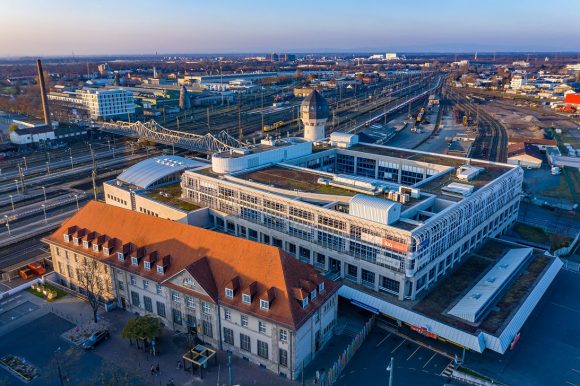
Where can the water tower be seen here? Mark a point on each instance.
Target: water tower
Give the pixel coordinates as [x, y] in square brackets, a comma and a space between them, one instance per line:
[314, 114]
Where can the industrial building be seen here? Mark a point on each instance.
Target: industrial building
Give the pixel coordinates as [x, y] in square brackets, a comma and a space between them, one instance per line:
[237, 295]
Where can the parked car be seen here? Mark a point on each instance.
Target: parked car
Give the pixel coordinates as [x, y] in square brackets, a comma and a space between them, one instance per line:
[94, 340]
[26, 273]
[37, 268]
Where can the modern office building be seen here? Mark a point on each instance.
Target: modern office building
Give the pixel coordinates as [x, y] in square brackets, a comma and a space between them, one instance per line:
[108, 103]
[392, 223]
[238, 295]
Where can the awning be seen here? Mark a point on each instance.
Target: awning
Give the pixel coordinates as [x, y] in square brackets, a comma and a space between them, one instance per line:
[365, 306]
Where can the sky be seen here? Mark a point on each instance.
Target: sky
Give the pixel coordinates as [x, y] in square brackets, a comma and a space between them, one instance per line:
[84, 27]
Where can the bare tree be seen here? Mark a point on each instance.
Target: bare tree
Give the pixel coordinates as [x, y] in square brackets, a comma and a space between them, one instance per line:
[93, 279]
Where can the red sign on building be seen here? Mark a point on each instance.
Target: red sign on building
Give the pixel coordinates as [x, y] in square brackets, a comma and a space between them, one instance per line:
[424, 331]
[395, 246]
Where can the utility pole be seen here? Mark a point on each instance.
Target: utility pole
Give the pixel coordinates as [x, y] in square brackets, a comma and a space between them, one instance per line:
[262, 109]
[241, 132]
[94, 177]
[21, 173]
[390, 369]
[230, 369]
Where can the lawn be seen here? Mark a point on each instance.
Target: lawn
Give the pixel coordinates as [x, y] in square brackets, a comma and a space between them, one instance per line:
[538, 235]
[59, 292]
[531, 233]
[171, 195]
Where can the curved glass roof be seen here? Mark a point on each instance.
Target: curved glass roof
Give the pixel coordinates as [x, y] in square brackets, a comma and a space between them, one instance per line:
[148, 172]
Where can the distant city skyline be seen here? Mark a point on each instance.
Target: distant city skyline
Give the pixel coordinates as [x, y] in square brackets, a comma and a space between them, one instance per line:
[107, 27]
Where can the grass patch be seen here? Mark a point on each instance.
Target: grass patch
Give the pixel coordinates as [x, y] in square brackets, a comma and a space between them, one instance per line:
[474, 374]
[171, 195]
[515, 294]
[531, 233]
[59, 292]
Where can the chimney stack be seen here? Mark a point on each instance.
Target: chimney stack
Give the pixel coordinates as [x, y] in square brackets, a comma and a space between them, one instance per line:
[43, 93]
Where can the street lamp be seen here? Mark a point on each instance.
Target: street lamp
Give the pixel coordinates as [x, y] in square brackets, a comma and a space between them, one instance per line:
[44, 192]
[12, 202]
[71, 162]
[390, 369]
[47, 168]
[25, 165]
[8, 225]
[77, 198]
[17, 187]
[44, 210]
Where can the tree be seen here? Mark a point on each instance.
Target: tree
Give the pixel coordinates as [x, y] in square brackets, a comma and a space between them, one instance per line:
[142, 328]
[93, 279]
[578, 76]
[12, 127]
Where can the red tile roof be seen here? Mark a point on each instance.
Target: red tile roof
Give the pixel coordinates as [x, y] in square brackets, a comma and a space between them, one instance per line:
[214, 259]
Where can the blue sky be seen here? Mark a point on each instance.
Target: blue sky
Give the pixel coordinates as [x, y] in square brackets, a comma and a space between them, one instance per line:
[60, 27]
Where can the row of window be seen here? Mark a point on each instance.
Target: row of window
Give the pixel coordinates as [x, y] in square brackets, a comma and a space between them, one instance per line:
[116, 199]
[262, 349]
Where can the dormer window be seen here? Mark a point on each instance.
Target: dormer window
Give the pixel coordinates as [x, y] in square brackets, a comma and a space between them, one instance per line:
[106, 251]
[85, 244]
[66, 238]
[246, 299]
[160, 269]
[313, 294]
[229, 293]
[264, 304]
[304, 302]
[147, 265]
[95, 247]
[75, 240]
[134, 260]
[120, 256]
[321, 287]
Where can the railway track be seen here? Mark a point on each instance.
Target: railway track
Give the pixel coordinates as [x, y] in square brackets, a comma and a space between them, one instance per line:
[492, 140]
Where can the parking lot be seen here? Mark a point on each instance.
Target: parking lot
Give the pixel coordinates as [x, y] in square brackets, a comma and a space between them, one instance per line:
[9, 314]
[414, 364]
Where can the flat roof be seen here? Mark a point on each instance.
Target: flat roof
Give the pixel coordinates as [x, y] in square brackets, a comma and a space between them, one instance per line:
[259, 148]
[474, 302]
[306, 180]
[170, 195]
[452, 288]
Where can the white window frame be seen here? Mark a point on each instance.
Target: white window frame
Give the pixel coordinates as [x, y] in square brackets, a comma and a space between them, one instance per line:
[261, 327]
[205, 308]
[120, 256]
[283, 335]
[305, 302]
[321, 287]
[106, 251]
[264, 304]
[160, 269]
[147, 265]
[246, 299]
[134, 260]
[227, 314]
[66, 238]
[313, 294]
[190, 302]
[229, 293]
[85, 244]
[95, 247]
[175, 296]
[244, 320]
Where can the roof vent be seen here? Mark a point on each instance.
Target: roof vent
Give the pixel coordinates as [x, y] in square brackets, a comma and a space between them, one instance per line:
[476, 295]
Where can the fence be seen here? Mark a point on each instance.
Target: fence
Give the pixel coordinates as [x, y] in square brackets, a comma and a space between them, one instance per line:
[331, 376]
[567, 250]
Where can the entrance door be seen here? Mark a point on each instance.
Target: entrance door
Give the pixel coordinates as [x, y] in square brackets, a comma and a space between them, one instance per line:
[317, 341]
[333, 264]
[123, 302]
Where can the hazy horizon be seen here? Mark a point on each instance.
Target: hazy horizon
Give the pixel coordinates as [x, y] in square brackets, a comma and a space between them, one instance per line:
[63, 27]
